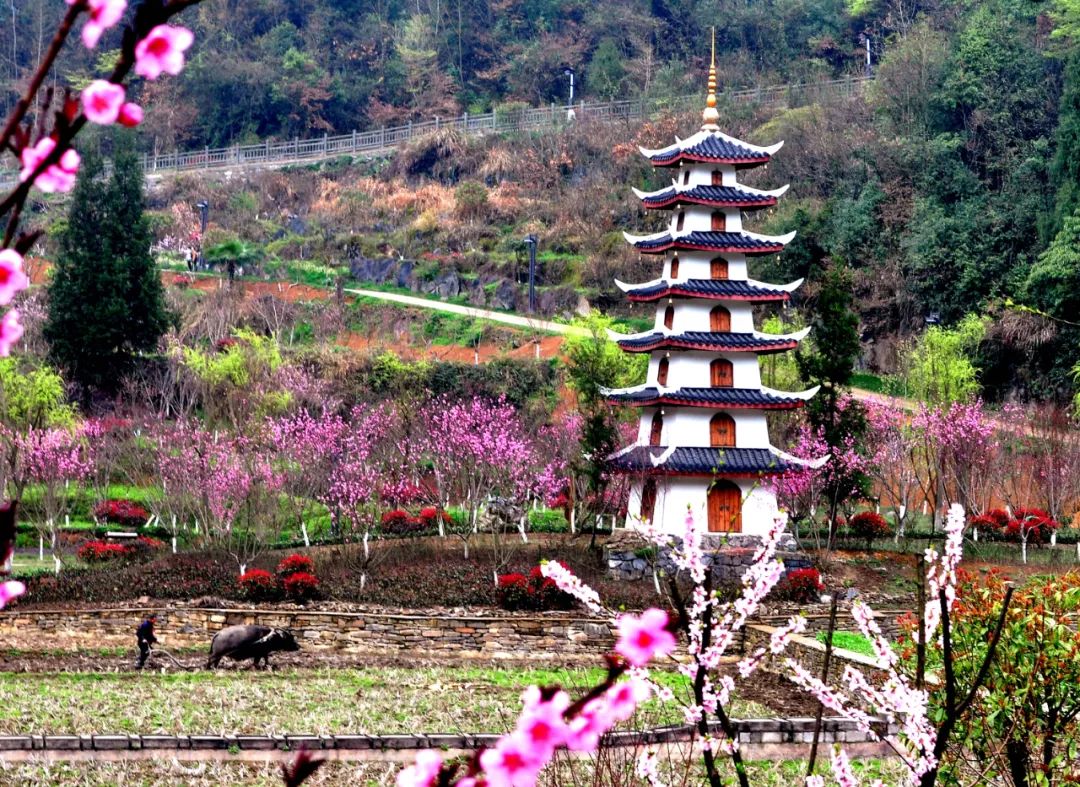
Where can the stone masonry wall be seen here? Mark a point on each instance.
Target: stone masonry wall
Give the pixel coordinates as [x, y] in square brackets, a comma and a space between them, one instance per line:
[630, 557]
[550, 636]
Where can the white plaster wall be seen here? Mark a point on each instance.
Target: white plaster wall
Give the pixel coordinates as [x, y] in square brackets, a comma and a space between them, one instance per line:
[674, 496]
[691, 369]
[699, 217]
[689, 426]
[693, 315]
[696, 265]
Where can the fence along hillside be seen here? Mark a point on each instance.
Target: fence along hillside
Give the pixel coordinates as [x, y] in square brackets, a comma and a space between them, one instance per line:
[271, 154]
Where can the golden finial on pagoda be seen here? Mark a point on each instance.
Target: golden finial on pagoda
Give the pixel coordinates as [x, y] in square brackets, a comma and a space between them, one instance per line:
[711, 116]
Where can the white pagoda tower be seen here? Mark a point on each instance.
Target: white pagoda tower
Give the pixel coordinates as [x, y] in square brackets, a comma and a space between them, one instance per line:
[703, 440]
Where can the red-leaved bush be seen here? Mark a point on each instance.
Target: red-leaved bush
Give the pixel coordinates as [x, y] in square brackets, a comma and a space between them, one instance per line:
[1034, 523]
[801, 585]
[301, 586]
[534, 592]
[258, 585]
[869, 525]
[399, 522]
[126, 513]
[294, 564]
[101, 552]
[429, 517]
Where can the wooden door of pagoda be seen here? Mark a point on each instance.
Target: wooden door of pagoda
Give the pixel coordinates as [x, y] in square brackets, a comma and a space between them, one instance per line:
[717, 178]
[722, 373]
[669, 317]
[656, 431]
[718, 268]
[725, 508]
[662, 372]
[720, 320]
[648, 500]
[719, 221]
[722, 431]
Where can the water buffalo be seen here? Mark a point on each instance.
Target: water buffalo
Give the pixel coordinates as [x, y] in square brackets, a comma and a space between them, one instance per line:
[249, 642]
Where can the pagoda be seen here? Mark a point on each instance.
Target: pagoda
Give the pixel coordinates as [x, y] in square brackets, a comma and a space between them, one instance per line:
[703, 438]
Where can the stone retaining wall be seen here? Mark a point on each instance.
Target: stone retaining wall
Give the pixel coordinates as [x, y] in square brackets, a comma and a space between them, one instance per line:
[630, 557]
[550, 636]
[808, 652]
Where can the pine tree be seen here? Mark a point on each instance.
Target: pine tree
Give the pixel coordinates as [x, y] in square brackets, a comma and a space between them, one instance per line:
[105, 300]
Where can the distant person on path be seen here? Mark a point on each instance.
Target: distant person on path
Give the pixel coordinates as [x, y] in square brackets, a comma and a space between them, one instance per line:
[145, 635]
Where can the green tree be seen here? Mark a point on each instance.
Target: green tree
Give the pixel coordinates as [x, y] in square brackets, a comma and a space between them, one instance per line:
[606, 72]
[105, 300]
[938, 368]
[1053, 283]
[1065, 168]
[594, 362]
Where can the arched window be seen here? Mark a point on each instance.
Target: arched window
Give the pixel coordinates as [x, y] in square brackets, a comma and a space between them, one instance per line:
[719, 221]
[648, 499]
[718, 268]
[681, 220]
[722, 373]
[722, 431]
[669, 317]
[720, 320]
[674, 268]
[662, 372]
[656, 431]
[725, 508]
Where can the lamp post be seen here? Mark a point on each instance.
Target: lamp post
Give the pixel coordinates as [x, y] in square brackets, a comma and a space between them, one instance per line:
[531, 240]
[569, 72]
[204, 216]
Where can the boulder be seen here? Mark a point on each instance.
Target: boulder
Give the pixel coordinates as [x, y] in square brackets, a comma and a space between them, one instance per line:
[505, 296]
[446, 285]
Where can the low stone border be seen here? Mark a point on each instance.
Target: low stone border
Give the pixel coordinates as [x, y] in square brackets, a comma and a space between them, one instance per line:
[757, 738]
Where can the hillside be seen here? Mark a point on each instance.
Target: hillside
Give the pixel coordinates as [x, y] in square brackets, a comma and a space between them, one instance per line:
[946, 188]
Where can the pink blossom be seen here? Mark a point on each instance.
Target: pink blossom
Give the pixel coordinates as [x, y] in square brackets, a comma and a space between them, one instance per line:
[162, 51]
[623, 698]
[512, 763]
[12, 278]
[11, 330]
[103, 15]
[569, 583]
[102, 101]
[642, 638]
[131, 115]
[587, 726]
[10, 590]
[57, 177]
[541, 722]
[424, 772]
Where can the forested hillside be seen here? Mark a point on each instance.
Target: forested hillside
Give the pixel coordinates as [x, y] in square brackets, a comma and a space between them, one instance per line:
[949, 189]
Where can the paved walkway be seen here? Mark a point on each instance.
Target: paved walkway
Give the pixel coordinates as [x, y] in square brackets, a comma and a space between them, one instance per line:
[517, 320]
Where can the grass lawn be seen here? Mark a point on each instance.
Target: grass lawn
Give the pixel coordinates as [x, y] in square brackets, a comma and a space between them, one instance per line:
[322, 701]
[213, 774]
[28, 565]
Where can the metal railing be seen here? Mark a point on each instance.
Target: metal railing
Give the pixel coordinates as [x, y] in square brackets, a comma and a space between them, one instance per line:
[373, 142]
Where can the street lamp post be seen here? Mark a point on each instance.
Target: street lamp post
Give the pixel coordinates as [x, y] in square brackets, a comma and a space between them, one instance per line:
[531, 241]
[204, 216]
[569, 72]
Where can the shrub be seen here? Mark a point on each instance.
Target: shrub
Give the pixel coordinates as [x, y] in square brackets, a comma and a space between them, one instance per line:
[125, 513]
[295, 564]
[398, 517]
[101, 552]
[547, 520]
[403, 525]
[513, 592]
[1035, 523]
[429, 517]
[868, 525]
[301, 586]
[258, 585]
[534, 592]
[802, 585]
[143, 547]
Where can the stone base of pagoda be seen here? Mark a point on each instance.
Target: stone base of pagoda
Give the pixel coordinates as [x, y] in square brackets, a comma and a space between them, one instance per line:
[629, 557]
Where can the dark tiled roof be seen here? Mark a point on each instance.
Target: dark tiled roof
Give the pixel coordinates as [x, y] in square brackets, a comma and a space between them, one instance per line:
[712, 148]
[704, 461]
[714, 342]
[720, 196]
[709, 241]
[711, 397]
[716, 289]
